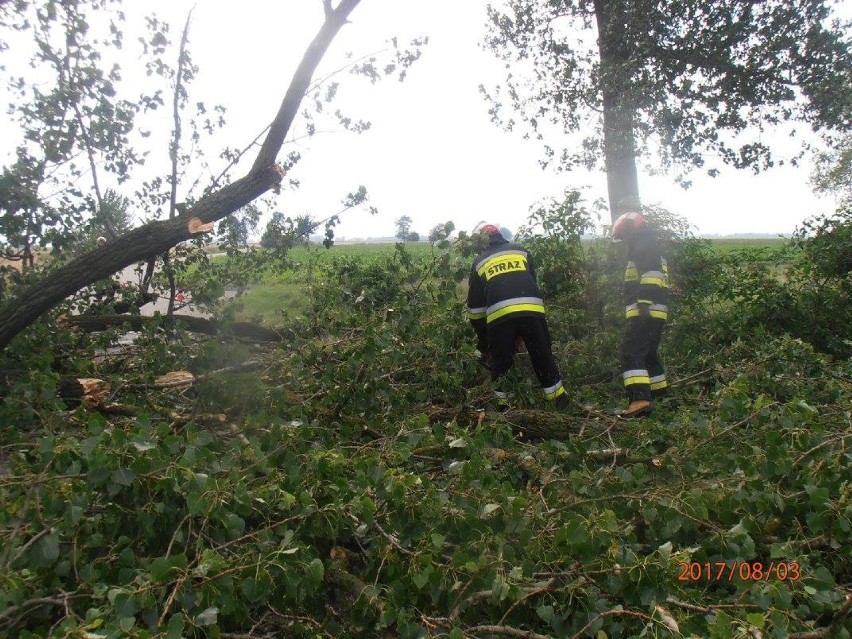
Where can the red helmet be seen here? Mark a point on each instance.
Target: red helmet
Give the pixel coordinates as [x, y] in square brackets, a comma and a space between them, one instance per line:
[626, 224]
[484, 227]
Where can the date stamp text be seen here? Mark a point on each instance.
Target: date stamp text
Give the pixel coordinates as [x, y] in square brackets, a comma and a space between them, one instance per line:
[739, 571]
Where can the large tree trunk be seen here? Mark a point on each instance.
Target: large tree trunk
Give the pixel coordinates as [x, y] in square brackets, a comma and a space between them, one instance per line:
[618, 109]
[621, 178]
[159, 236]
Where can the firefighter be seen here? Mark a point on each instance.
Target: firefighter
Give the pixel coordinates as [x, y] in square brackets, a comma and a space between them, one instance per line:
[646, 293]
[504, 307]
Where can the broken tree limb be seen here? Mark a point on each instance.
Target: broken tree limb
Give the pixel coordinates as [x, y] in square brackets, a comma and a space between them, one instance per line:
[196, 226]
[178, 418]
[175, 379]
[89, 391]
[156, 237]
[244, 366]
[245, 330]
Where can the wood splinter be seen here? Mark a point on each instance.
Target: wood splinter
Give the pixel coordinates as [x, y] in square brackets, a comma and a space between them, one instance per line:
[281, 171]
[196, 226]
[175, 379]
[89, 391]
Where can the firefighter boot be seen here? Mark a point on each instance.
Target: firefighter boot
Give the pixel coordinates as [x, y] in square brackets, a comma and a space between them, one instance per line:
[637, 408]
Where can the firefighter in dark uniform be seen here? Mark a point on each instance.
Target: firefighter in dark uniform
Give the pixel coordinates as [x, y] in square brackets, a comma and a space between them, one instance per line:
[646, 293]
[504, 304]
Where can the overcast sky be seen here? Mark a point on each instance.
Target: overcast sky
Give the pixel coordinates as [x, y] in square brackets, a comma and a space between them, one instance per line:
[432, 153]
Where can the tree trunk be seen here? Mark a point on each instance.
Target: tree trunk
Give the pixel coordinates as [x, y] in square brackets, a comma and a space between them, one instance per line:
[159, 236]
[618, 110]
[621, 178]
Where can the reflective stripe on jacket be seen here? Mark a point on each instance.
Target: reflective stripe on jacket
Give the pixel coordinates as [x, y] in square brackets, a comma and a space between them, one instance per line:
[646, 278]
[502, 284]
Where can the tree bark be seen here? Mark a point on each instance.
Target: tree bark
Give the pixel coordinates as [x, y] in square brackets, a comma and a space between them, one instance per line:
[159, 236]
[618, 109]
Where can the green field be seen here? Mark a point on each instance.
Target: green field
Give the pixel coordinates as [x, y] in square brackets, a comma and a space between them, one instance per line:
[722, 245]
[727, 245]
[283, 296]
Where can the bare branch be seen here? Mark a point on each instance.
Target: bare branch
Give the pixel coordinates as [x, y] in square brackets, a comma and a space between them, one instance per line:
[174, 147]
[301, 80]
[507, 631]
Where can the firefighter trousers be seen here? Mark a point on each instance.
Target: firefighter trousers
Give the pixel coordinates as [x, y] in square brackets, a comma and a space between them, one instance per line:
[536, 336]
[642, 371]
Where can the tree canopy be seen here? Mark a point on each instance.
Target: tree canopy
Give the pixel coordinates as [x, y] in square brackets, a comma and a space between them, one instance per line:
[674, 83]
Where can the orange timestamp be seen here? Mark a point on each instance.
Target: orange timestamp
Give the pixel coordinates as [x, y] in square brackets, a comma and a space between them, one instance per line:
[739, 571]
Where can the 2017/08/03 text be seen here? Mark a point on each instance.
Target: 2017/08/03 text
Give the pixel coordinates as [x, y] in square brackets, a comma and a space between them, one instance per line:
[741, 570]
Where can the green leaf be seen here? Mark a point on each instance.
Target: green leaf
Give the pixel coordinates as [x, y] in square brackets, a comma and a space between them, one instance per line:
[456, 467]
[756, 619]
[818, 495]
[316, 570]
[254, 589]
[123, 476]
[822, 578]
[141, 444]
[421, 579]
[161, 568]
[49, 548]
[487, 509]
[207, 617]
[175, 627]
[286, 500]
[807, 407]
[545, 612]
[198, 503]
[76, 514]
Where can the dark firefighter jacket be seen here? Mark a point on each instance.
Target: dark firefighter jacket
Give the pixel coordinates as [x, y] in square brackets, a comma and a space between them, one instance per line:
[646, 280]
[502, 285]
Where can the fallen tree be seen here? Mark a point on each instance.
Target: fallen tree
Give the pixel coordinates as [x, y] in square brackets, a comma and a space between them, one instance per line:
[203, 325]
[154, 238]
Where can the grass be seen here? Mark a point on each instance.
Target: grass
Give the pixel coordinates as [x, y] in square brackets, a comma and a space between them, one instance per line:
[282, 296]
[271, 303]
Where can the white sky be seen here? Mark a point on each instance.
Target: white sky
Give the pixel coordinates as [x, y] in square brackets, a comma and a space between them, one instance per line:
[432, 153]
